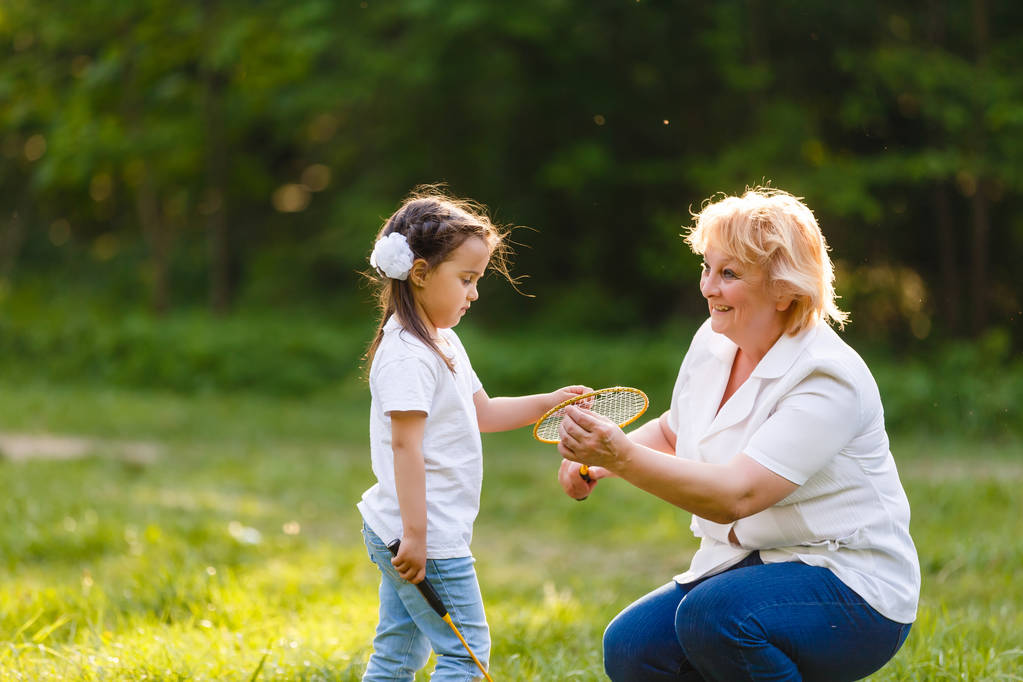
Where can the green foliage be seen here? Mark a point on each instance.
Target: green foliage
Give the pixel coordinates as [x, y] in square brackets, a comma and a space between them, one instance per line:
[262, 144]
[185, 352]
[973, 389]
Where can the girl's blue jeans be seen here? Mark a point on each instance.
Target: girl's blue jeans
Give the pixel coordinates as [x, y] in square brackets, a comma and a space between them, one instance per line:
[755, 621]
[409, 628]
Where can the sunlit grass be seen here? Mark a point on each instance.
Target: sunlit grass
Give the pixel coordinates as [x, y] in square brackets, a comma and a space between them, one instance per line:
[236, 553]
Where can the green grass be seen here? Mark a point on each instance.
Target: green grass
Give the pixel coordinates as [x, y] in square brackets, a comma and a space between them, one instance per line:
[236, 553]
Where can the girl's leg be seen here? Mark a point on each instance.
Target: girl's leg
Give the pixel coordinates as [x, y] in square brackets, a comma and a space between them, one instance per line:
[399, 648]
[784, 621]
[456, 584]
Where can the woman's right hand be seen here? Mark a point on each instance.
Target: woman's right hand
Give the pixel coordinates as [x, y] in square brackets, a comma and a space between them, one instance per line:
[574, 485]
[410, 562]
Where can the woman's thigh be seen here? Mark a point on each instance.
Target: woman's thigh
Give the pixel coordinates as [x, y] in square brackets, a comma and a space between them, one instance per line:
[641, 643]
[783, 621]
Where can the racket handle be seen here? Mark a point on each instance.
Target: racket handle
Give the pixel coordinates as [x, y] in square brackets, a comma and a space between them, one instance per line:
[425, 587]
[584, 473]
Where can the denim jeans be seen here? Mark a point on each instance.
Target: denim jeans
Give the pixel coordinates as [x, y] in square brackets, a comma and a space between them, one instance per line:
[755, 621]
[409, 628]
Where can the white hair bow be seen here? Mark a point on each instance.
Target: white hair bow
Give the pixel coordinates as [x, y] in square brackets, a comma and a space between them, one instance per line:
[392, 256]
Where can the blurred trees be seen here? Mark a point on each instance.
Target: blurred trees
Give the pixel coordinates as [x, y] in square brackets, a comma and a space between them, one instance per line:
[221, 152]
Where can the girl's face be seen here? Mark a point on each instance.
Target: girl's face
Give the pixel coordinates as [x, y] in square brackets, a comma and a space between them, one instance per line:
[741, 305]
[445, 293]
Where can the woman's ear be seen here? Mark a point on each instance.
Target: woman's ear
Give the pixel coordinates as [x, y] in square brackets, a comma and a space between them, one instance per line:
[783, 299]
[417, 275]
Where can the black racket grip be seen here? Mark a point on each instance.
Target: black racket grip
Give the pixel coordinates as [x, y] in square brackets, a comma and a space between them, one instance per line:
[425, 587]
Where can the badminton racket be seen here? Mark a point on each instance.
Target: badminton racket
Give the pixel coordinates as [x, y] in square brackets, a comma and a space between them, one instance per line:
[620, 404]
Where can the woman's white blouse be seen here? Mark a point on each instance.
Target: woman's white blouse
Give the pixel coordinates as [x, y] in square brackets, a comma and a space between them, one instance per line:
[809, 412]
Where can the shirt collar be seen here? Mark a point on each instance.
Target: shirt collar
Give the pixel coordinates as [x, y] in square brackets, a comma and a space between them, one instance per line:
[778, 359]
[784, 353]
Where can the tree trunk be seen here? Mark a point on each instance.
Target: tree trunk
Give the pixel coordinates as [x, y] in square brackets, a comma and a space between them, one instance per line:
[218, 233]
[214, 83]
[979, 258]
[981, 221]
[948, 262]
[158, 234]
[12, 234]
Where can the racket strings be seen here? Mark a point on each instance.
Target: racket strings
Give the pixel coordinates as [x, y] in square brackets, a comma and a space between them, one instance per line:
[620, 406]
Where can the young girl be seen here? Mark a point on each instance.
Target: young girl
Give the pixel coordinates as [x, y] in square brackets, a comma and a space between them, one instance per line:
[428, 409]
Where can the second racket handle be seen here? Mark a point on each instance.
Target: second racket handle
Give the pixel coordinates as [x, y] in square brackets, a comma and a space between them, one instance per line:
[425, 587]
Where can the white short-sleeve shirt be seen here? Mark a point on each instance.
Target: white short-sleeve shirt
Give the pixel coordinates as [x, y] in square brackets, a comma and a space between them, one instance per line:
[407, 375]
[811, 413]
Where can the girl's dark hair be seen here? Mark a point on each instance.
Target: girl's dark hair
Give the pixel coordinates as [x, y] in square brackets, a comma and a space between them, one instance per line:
[435, 224]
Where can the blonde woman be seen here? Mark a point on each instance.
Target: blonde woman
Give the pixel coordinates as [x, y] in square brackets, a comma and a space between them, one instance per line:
[775, 442]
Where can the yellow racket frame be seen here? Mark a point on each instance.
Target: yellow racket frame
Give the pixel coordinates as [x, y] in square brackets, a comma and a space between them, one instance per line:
[591, 394]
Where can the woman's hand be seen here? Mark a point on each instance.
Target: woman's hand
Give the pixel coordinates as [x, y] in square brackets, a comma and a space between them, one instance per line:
[574, 485]
[410, 562]
[592, 440]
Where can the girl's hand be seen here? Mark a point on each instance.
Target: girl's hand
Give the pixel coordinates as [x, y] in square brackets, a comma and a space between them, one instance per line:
[410, 562]
[567, 393]
[592, 440]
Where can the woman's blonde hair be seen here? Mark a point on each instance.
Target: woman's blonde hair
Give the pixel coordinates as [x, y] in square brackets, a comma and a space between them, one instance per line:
[776, 232]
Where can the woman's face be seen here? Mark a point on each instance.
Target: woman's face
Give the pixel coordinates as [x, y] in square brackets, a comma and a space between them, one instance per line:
[741, 305]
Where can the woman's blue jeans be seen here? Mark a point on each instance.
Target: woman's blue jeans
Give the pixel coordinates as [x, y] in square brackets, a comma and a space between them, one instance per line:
[755, 621]
[409, 628]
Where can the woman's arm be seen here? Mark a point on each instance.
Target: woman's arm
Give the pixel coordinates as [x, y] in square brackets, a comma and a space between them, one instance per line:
[507, 413]
[407, 429]
[656, 435]
[722, 493]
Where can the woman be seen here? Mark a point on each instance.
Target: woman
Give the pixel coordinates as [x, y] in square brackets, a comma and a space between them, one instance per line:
[806, 569]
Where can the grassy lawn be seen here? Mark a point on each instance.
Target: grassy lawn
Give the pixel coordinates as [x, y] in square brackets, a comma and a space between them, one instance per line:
[235, 553]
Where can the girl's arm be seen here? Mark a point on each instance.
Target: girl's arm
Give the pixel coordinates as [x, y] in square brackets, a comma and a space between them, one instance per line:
[407, 429]
[654, 434]
[722, 493]
[507, 413]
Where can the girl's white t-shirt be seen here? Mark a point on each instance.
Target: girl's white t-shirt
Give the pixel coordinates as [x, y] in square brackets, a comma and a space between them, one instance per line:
[407, 375]
[811, 413]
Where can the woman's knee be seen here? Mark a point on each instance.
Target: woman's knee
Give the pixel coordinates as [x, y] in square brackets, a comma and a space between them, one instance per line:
[617, 650]
[710, 620]
[636, 652]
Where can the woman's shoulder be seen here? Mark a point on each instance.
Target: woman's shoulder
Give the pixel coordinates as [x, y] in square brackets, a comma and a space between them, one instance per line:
[829, 354]
[827, 347]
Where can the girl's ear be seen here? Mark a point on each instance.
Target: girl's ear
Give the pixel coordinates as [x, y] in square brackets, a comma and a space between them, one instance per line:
[417, 275]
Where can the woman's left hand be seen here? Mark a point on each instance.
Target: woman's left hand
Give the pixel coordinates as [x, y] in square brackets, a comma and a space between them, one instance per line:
[591, 439]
